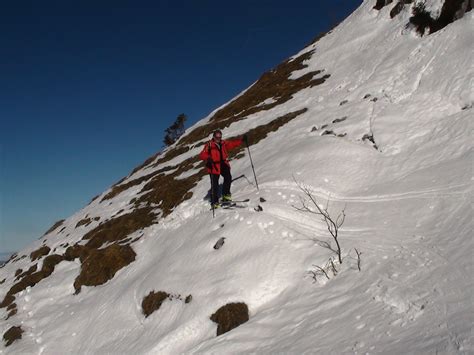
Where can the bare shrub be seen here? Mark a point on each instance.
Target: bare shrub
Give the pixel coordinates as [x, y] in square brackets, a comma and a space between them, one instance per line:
[309, 204]
[333, 224]
[326, 270]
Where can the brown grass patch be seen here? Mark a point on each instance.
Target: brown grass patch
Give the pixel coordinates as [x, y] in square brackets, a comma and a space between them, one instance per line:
[76, 251]
[117, 189]
[84, 222]
[12, 334]
[54, 226]
[147, 162]
[397, 9]
[39, 253]
[153, 301]
[171, 154]
[230, 316]
[31, 270]
[380, 4]
[261, 132]
[451, 11]
[167, 192]
[274, 84]
[101, 265]
[30, 280]
[119, 228]
[12, 310]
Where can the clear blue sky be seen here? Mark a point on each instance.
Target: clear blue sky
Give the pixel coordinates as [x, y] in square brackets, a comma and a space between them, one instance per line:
[88, 87]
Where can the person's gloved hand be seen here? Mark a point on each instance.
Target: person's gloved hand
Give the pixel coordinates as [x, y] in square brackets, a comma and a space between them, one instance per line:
[209, 163]
[245, 139]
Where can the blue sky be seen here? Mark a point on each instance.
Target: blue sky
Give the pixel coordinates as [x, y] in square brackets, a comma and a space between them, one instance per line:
[89, 87]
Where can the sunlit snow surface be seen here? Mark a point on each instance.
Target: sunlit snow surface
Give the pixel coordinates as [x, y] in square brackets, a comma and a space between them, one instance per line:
[408, 207]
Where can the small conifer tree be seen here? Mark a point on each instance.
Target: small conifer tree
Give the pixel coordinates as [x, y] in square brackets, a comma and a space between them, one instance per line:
[176, 130]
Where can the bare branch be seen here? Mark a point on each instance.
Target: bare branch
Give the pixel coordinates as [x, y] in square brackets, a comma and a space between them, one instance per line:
[340, 219]
[358, 258]
[331, 224]
[315, 274]
[333, 267]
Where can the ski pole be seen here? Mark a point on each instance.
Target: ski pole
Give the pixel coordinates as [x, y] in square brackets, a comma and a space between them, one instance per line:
[212, 195]
[251, 162]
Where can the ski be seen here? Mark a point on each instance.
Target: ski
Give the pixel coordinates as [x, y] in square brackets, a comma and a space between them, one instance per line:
[235, 201]
[228, 206]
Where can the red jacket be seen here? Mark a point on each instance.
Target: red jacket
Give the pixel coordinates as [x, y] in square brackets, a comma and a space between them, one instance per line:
[211, 149]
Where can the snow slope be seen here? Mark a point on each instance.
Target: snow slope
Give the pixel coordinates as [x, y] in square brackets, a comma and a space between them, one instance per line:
[407, 202]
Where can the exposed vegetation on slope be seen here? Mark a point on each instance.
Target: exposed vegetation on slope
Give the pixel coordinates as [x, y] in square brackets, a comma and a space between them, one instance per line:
[101, 265]
[12, 334]
[30, 280]
[230, 316]
[54, 227]
[422, 19]
[450, 12]
[153, 301]
[39, 253]
[274, 86]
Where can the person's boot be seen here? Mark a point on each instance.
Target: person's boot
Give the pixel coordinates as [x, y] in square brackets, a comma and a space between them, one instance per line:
[227, 198]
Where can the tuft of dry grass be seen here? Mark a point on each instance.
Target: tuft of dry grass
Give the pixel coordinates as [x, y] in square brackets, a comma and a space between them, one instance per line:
[117, 189]
[230, 316]
[39, 253]
[54, 226]
[30, 280]
[100, 265]
[380, 4]
[119, 228]
[31, 270]
[12, 310]
[12, 334]
[153, 301]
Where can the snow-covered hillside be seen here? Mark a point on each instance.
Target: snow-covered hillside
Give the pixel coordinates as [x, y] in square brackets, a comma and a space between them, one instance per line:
[374, 119]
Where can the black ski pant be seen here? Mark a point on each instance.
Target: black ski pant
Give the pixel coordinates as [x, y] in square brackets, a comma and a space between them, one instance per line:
[225, 172]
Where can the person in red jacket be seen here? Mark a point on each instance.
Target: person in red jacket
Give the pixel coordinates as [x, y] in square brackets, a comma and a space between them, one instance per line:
[215, 154]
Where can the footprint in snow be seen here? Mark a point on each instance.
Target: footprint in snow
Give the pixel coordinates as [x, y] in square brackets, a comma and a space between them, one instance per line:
[263, 225]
